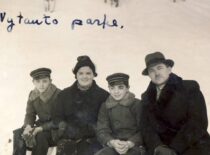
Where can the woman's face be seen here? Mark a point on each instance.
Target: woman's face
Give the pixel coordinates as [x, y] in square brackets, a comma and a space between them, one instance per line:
[85, 76]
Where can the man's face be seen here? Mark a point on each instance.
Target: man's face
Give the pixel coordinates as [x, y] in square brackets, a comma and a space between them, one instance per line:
[118, 91]
[159, 74]
[42, 84]
[85, 76]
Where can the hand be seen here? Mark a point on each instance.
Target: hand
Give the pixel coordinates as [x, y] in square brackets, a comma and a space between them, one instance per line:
[120, 146]
[27, 131]
[164, 150]
[37, 130]
[130, 144]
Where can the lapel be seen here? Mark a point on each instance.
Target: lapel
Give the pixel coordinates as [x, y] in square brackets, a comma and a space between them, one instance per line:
[173, 84]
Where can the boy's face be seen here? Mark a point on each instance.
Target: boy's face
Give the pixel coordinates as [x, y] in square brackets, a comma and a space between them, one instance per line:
[42, 84]
[85, 76]
[159, 74]
[118, 91]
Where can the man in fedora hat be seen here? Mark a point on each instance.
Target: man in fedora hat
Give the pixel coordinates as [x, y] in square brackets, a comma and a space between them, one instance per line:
[175, 116]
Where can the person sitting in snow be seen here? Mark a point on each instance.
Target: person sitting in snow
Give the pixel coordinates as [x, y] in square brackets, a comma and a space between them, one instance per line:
[119, 117]
[36, 135]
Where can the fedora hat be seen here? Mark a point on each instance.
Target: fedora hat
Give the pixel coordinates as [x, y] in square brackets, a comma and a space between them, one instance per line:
[156, 58]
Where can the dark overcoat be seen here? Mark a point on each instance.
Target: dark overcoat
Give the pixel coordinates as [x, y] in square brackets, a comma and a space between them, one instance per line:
[79, 109]
[177, 119]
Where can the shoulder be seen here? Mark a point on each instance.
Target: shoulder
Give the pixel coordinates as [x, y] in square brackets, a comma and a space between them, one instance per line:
[191, 85]
[100, 92]
[67, 91]
[99, 89]
[137, 103]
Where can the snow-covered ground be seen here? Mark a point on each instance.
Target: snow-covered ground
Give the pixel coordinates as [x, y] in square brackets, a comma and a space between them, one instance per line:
[180, 30]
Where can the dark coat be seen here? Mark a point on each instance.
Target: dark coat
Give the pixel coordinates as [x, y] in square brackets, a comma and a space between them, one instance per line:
[79, 109]
[41, 106]
[178, 118]
[120, 120]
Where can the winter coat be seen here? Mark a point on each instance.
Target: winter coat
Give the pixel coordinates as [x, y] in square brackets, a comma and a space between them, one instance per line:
[41, 106]
[79, 110]
[120, 120]
[178, 118]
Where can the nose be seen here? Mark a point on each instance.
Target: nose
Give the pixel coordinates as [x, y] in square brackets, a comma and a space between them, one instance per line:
[116, 91]
[157, 73]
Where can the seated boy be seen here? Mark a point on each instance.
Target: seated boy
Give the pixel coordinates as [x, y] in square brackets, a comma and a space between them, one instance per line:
[36, 135]
[118, 119]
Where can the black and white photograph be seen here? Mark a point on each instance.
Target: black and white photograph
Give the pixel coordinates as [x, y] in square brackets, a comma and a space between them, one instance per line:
[104, 77]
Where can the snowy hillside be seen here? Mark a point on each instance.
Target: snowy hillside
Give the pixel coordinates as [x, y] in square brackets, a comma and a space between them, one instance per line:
[180, 30]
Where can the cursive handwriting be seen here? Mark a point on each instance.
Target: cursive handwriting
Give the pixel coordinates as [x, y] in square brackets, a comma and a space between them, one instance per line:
[20, 19]
[11, 22]
[103, 22]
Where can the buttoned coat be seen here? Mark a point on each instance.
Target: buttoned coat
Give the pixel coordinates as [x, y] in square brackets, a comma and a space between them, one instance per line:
[177, 119]
[41, 106]
[120, 120]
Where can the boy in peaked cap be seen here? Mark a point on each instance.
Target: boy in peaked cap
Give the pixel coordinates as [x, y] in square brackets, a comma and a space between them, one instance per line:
[35, 134]
[118, 119]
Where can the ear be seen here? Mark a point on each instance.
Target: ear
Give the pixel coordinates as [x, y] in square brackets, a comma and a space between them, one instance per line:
[169, 69]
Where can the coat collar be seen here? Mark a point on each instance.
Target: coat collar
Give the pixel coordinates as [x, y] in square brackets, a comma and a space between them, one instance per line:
[174, 82]
[126, 101]
[75, 87]
[45, 96]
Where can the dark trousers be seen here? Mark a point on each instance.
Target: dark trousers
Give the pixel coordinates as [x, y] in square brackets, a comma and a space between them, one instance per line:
[43, 142]
[78, 147]
[111, 151]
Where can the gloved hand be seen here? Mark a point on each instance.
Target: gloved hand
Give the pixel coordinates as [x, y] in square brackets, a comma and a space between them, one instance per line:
[29, 140]
[37, 130]
[28, 137]
[164, 150]
[27, 131]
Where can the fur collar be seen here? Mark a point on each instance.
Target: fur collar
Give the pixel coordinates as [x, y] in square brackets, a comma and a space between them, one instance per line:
[174, 82]
[45, 96]
[126, 101]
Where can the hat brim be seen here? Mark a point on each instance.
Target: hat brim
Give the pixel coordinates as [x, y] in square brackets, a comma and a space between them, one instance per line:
[168, 62]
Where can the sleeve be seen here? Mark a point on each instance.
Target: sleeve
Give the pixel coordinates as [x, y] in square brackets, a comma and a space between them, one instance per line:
[47, 126]
[30, 115]
[137, 111]
[58, 111]
[196, 125]
[104, 132]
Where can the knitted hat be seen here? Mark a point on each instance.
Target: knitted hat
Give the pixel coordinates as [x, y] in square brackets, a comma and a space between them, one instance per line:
[84, 61]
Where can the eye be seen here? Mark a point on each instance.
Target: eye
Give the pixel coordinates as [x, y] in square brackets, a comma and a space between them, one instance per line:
[111, 88]
[160, 67]
[121, 87]
[150, 70]
[80, 73]
[88, 73]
